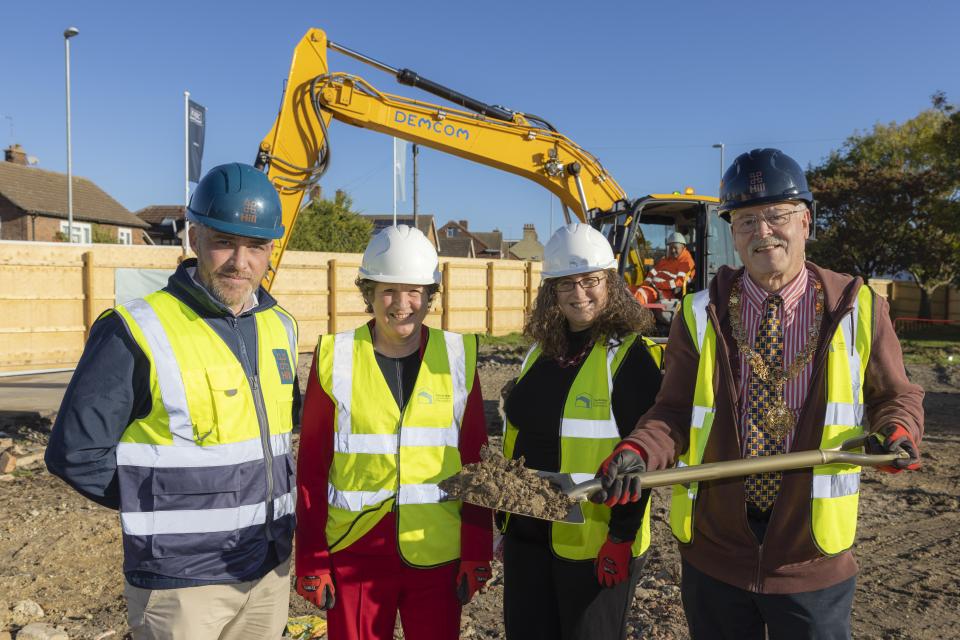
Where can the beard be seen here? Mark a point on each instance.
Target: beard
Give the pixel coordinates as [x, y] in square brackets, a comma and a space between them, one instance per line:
[230, 293]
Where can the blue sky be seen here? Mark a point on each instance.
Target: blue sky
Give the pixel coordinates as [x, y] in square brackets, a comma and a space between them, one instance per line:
[647, 87]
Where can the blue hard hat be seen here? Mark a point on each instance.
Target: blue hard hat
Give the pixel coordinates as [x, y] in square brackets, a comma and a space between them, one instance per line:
[237, 199]
[762, 176]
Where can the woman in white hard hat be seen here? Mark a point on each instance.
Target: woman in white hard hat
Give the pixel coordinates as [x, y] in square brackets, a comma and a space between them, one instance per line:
[392, 408]
[588, 378]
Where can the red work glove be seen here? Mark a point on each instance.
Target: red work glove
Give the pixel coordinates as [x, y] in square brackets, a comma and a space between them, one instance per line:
[613, 562]
[471, 577]
[893, 438]
[626, 458]
[318, 589]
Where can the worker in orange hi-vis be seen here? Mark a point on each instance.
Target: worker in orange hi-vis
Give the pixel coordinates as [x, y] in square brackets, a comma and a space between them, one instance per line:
[668, 279]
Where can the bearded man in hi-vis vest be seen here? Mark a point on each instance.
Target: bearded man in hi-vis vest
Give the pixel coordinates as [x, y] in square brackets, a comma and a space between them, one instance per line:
[392, 408]
[179, 415]
[779, 356]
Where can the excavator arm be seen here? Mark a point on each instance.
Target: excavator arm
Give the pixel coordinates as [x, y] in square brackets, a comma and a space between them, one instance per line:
[296, 151]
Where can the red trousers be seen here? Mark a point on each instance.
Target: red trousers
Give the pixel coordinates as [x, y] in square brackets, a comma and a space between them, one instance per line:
[373, 584]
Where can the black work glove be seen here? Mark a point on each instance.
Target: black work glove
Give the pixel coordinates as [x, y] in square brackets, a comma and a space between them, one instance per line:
[618, 489]
[893, 438]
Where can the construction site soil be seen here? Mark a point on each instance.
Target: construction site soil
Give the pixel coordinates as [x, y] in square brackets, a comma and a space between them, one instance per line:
[63, 552]
[507, 485]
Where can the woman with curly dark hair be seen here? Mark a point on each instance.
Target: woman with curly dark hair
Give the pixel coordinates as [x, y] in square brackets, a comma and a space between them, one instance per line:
[588, 378]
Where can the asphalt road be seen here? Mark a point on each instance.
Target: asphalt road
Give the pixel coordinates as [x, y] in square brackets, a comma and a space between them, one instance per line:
[34, 394]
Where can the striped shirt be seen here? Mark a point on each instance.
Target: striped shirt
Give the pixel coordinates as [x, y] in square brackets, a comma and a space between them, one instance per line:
[796, 314]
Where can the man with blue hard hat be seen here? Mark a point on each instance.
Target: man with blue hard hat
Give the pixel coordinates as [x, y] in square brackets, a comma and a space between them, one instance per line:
[778, 356]
[179, 415]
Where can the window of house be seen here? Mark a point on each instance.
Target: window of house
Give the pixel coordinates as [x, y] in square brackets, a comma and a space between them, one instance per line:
[451, 232]
[82, 232]
[124, 235]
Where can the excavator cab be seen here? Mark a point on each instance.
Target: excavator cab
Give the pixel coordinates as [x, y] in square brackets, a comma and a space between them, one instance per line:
[637, 234]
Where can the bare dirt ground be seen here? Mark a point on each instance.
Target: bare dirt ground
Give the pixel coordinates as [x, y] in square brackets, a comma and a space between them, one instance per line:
[63, 552]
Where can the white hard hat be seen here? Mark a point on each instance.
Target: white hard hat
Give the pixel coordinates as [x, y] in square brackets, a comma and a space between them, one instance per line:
[576, 248]
[676, 238]
[400, 254]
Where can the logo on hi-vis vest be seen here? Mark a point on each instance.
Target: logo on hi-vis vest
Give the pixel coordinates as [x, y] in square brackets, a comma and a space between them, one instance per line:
[586, 401]
[283, 366]
[425, 397]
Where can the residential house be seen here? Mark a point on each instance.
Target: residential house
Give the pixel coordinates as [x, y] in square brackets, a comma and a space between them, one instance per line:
[458, 247]
[166, 222]
[528, 248]
[33, 206]
[486, 244]
[425, 222]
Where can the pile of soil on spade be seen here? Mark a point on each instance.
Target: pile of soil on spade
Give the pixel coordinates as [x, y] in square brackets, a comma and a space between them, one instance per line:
[506, 485]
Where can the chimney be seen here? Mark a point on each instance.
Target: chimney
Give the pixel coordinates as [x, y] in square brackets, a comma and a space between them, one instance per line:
[15, 154]
[529, 232]
[463, 223]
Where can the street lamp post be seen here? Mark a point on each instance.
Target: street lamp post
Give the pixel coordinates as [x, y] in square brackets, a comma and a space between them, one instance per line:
[69, 33]
[720, 145]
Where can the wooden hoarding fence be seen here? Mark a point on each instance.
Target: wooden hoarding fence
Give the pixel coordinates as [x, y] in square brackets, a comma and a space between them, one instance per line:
[89, 313]
[490, 295]
[332, 296]
[52, 293]
[445, 296]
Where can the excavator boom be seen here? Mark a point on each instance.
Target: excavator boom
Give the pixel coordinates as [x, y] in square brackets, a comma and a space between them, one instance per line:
[296, 151]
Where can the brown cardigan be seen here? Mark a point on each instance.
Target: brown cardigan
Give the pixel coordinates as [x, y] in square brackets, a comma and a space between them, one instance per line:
[723, 546]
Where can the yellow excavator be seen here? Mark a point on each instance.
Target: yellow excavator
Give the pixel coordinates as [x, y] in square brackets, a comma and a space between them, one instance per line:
[296, 152]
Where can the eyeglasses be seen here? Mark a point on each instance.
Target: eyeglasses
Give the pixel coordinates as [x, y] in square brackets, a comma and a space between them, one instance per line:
[775, 216]
[566, 286]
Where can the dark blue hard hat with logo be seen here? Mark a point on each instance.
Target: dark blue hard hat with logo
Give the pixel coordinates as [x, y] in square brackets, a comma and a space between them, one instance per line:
[762, 176]
[237, 199]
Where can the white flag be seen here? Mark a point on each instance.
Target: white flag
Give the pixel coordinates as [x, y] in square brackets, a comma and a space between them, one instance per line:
[400, 169]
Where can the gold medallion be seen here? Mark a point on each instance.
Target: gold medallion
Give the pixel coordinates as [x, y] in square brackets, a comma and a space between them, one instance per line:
[779, 420]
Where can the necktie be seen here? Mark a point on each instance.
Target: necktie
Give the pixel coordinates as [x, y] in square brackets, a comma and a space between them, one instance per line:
[761, 489]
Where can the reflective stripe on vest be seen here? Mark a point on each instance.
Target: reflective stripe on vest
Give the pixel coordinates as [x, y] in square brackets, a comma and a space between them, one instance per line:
[835, 493]
[172, 393]
[181, 521]
[588, 433]
[381, 458]
[835, 488]
[345, 441]
[136, 454]
[204, 416]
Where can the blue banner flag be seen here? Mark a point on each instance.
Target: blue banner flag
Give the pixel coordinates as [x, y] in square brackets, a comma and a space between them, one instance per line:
[196, 123]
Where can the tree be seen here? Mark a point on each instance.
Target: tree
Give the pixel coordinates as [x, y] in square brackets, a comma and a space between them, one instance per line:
[889, 201]
[99, 234]
[330, 225]
[862, 217]
[104, 235]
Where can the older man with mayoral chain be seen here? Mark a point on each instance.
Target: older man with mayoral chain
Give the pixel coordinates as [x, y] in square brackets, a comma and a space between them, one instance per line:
[779, 356]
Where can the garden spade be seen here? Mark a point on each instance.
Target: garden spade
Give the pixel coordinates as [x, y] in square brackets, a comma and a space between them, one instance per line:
[726, 469]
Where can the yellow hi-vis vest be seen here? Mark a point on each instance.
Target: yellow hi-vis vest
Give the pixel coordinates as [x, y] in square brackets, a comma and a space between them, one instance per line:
[384, 460]
[835, 488]
[212, 457]
[588, 434]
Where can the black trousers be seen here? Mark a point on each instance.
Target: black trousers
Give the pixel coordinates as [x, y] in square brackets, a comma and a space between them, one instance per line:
[546, 598]
[717, 610]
